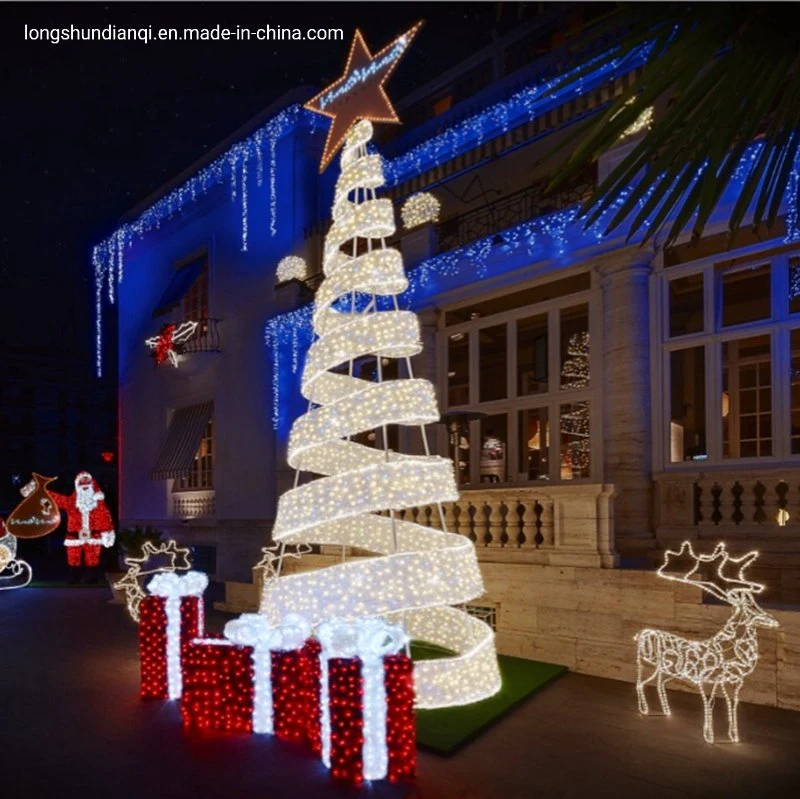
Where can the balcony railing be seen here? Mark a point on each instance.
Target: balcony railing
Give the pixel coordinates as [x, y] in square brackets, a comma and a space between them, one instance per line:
[756, 504]
[556, 525]
[508, 211]
[491, 218]
[205, 339]
[194, 504]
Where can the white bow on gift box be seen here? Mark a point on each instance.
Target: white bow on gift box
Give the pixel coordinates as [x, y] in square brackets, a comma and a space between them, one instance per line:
[253, 629]
[173, 587]
[370, 640]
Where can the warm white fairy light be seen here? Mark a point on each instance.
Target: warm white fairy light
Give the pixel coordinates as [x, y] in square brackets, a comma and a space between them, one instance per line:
[420, 209]
[643, 122]
[172, 587]
[720, 663]
[14, 573]
[421, 570]
[292, 267]
[169, 557]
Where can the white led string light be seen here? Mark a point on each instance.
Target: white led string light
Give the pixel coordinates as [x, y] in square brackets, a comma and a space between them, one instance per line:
[292, 267]
[719, 664]
[419, 210]
[244, 204]
[420, 571]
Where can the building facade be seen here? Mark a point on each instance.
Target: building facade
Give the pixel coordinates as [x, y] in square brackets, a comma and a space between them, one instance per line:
[601, 399]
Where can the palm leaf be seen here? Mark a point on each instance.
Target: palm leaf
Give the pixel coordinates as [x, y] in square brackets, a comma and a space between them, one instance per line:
[721, 75]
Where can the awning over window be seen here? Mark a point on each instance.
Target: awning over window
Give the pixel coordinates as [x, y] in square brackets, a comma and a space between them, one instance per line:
[185, 431]
[181, 282]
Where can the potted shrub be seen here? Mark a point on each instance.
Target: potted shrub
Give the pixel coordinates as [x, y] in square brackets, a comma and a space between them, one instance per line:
[129, 543]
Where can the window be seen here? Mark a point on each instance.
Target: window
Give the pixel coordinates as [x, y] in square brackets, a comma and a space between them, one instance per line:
[493, 454]
[687, 426]
[794, 285]
[746, 398]
[532, 354]
[746, 294]
[534, 444]
[686, 305]
[457, 369]
[518, 385]
[186, 294]
[494, 363]
[794, 379]
[202, 473]
[575, 450]
[732, 391]
[195, 301]
[575, 347]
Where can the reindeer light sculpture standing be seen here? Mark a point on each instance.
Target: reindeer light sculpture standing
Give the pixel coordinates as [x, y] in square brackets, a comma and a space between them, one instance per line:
[720, 663]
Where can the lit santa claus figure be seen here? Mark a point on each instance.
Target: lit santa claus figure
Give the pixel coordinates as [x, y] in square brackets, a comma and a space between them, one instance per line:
[89, 524]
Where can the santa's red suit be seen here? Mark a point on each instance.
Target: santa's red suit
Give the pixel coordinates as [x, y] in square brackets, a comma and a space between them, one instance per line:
[89, 523]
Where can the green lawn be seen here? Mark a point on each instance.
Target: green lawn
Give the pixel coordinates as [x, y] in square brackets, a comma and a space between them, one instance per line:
[62, 584]
[448, 729]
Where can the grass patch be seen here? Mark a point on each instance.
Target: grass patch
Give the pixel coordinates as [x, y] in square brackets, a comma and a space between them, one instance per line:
[62, 584]
[448, 729]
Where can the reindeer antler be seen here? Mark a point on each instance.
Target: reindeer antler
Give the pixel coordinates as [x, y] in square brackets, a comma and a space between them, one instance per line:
[178, 560]
[720, 558]
[272, 556]
[738, 582]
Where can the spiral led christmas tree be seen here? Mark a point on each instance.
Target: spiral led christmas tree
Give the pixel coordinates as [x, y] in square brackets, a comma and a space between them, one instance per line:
[418, 572]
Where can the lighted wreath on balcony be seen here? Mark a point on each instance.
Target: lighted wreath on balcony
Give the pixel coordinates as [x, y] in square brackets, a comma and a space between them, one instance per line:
[419, 210]
[170, 343]
[292, 267]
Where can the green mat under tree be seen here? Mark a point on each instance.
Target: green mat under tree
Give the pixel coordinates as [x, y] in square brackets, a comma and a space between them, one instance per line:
[448, 729]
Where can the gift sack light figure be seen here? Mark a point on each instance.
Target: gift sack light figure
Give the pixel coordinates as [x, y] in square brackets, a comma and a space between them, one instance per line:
[89, 523]
[37, 515]
[719, 664]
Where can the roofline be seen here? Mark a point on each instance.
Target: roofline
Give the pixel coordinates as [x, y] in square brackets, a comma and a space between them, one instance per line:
[297, 96]
[302, 94]
[548, 18]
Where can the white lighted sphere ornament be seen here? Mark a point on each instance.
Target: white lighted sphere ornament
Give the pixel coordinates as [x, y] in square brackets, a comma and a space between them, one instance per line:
[292, 267]
[420, 209]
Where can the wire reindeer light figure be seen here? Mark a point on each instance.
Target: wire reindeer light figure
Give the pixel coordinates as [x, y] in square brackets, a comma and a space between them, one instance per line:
[719, 664]
[177, 559]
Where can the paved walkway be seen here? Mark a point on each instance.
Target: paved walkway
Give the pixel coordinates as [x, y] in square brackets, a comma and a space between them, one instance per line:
[71, 724]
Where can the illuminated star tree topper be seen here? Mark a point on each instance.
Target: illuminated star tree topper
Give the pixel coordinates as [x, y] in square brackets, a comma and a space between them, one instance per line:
[359, 93]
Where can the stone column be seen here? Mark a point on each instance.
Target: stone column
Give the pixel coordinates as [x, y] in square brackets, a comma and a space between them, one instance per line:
[627, 453]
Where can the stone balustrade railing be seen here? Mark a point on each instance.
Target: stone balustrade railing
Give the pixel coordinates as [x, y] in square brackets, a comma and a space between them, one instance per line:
[569, 525]
[194, 504]
[754, 509]
[740, 504]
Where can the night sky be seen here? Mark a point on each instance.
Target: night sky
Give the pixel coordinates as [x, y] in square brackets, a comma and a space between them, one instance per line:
[89, 129]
